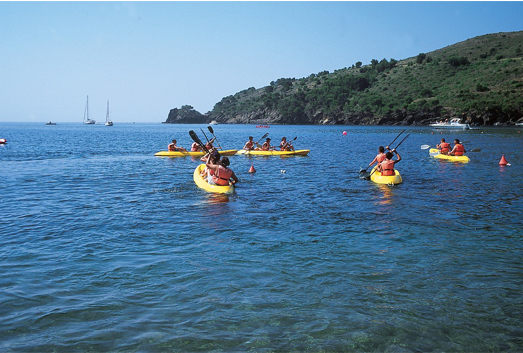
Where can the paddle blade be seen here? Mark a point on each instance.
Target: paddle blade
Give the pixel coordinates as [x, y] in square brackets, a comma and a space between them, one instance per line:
[210, 129]
[424, 147]
[197, 140]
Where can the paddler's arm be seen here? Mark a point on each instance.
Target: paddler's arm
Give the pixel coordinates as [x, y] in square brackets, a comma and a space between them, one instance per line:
[212, 166]
[373, 161]
[234, 178]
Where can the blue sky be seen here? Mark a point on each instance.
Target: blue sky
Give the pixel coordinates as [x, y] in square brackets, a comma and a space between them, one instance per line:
[150, 57]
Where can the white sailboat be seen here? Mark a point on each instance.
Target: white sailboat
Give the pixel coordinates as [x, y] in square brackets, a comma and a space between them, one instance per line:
[86, 114]
[108, 121]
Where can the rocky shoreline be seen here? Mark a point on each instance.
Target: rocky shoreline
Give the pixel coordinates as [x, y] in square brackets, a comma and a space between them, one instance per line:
[185, 115]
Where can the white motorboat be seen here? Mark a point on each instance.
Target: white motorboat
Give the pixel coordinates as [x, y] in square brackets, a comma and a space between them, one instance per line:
[452, 124]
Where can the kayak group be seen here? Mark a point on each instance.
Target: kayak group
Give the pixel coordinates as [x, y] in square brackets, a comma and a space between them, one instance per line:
[215, 174]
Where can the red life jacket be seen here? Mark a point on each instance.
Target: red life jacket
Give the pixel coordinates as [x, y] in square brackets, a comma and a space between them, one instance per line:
[223, 176]
[387, 167]
[459, 150]
[380, 157]
[266, 146]
[172, 147]
[444, 147]
[194, 147]
[249, 145]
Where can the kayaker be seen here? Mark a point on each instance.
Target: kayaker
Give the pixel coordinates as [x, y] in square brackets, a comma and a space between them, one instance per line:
[286, 146]
[209, 145]
[249, 145]
[195, 147]
[458, 150]
[210, 157]
[386, 167]
[173, 148]
[444, 147]
[267, 145]
[379, 157]
[222, 173]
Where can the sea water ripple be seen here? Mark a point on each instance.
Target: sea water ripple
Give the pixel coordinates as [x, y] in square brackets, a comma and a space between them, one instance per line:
[104, 247]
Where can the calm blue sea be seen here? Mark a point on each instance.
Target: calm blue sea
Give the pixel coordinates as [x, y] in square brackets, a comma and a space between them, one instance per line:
[104, 247]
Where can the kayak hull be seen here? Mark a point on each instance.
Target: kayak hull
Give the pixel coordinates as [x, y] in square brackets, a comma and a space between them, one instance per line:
[376, 177]
[193, 154]
[203, 184]
[435, 153]
[275, 153]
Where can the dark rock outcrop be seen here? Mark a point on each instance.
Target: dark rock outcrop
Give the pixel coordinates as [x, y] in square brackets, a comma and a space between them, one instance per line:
[186, 115]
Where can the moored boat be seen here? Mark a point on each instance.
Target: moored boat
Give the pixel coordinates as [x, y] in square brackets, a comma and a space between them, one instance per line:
[376, 177]
[453, 124]
[108, 121]
[87, 120]
[275, 153]
[50, 123]
[203, 184]
[434, 152]
[193, 154]
[3, 141]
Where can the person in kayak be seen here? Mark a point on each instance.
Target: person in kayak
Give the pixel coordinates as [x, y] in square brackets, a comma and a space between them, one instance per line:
[173, 148]
[210, 157]
[195, 147]
[222, 173]
[249, 145]
[286, 146]
[267, 145]
[458, 150]
[444, 147]
[209, 145]
[379, 157]
[386, 167]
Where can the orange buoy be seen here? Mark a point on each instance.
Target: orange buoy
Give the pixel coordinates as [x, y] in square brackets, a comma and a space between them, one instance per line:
[503, 160]
[252, 170]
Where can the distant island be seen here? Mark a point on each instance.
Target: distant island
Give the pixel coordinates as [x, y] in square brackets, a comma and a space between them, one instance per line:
[479, 80]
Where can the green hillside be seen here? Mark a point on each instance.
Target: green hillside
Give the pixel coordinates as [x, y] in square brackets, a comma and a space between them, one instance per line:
[480, 79]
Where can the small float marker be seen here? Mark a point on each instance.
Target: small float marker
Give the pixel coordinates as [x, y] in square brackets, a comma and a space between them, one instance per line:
[503, 161]
[252, 170]
[282, 171]
[344, 133]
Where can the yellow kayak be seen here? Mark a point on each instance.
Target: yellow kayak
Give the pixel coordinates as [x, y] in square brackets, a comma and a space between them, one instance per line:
[434, 152]
[194, 154]
[275, 153]
[203, 184]
[376, 177]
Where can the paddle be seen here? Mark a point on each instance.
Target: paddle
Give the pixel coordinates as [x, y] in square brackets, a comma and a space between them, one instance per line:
[401, 141]
[205, 136]
[264, 136]
[212, 132]
[365, 170]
